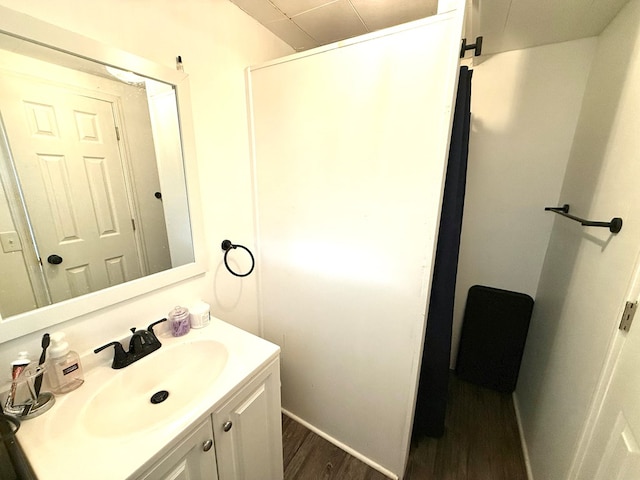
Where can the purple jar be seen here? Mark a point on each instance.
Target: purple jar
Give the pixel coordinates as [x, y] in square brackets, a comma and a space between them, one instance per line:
[180, 321]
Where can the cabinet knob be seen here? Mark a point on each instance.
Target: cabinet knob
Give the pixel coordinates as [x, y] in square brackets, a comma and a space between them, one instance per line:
[226, 426]
[206, 446]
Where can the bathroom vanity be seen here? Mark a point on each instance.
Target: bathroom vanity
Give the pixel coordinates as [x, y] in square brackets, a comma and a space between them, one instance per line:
[220, 420]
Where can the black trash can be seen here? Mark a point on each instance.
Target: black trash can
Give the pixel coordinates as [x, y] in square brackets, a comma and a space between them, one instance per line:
[494, 332]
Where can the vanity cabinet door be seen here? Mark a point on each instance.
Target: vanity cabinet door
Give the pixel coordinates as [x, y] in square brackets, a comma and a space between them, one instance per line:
[193, 459]
[248, 430]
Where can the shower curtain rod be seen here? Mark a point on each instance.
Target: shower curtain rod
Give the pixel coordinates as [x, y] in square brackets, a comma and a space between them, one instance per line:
[614, 226]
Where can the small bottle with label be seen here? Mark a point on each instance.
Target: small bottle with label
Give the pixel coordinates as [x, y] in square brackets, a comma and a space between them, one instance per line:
[200, 315]
[64, 370]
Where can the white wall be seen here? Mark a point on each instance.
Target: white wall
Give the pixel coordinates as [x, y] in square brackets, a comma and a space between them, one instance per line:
[217, 41]
[14, 277]
[524, 107]
[586, 271]
[351, 145]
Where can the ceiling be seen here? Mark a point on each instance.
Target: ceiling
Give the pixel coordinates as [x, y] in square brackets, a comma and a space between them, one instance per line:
[504, 24]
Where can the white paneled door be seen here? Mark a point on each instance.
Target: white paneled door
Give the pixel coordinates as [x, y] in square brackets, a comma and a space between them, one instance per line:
[613, 453]
[65, 149]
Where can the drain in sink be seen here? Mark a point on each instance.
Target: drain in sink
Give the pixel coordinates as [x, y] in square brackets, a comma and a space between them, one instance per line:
[159, 397]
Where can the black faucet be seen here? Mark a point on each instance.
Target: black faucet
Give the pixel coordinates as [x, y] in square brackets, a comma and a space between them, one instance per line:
[141, 344]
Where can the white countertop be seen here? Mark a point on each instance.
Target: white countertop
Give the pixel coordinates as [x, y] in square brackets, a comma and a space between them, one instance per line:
[60, 447]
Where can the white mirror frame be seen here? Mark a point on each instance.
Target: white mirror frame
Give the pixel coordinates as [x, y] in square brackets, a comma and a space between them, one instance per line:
[36, 31]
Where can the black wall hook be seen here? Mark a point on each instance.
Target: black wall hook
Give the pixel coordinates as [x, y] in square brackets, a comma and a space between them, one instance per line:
[476, 47]
[227, 246]
[614, 226]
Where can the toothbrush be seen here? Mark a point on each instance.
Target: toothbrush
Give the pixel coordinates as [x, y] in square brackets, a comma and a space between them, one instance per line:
[38, 382]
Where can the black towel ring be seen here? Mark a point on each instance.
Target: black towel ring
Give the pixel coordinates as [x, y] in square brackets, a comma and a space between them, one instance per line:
[227, 246]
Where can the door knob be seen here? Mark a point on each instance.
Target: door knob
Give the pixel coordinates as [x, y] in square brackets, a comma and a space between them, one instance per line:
[54, 259]
[226, 426]
[206, 446]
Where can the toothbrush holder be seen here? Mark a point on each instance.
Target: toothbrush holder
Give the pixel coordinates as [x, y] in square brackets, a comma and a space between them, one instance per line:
[23, 402]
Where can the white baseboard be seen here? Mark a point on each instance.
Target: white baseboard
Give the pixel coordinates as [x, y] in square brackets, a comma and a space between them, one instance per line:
[525, 449]
[342, 446]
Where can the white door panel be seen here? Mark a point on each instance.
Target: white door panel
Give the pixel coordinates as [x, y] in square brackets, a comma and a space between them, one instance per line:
[613, 451]
[621, 458]
[66, 152]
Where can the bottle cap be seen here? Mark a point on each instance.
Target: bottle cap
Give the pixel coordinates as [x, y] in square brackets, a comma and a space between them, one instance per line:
[23, 359]
[199, 307]
[59, 346]
[179, 313]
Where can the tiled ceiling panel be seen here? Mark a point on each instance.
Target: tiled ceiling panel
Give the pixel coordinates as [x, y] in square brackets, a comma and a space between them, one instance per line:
[332, 22]
[555, 20]
[325, 21]
[504, 24]
[292, 34]
[295, 7]
[262, 10]
[376, 18]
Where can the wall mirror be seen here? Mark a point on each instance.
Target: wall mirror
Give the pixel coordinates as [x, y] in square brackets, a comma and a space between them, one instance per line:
[94, 167]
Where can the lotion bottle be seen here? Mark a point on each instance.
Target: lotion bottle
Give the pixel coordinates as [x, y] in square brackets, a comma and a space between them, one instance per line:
[64, 369]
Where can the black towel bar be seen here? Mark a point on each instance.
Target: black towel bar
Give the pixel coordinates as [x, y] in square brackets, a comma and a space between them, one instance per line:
[614, 226]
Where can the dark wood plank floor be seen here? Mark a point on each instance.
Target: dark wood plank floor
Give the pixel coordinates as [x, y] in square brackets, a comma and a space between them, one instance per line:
[308, 456]
[481, 442]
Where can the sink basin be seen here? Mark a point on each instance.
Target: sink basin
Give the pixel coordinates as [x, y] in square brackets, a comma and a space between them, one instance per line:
[123, 406]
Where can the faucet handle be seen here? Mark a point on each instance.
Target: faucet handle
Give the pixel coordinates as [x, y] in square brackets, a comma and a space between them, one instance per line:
[150, 328]
[119, 356]
[115, 344]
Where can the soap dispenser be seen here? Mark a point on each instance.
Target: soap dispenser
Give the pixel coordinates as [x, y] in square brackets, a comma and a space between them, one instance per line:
[64, 369]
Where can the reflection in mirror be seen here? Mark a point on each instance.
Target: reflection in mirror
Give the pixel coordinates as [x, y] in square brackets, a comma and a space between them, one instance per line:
[92, 185]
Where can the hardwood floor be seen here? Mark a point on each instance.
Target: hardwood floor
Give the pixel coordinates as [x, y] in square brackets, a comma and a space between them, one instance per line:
[481, 442]
[308, 456]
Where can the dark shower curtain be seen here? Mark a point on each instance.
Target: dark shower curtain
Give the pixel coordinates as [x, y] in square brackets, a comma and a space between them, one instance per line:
[434, 374]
